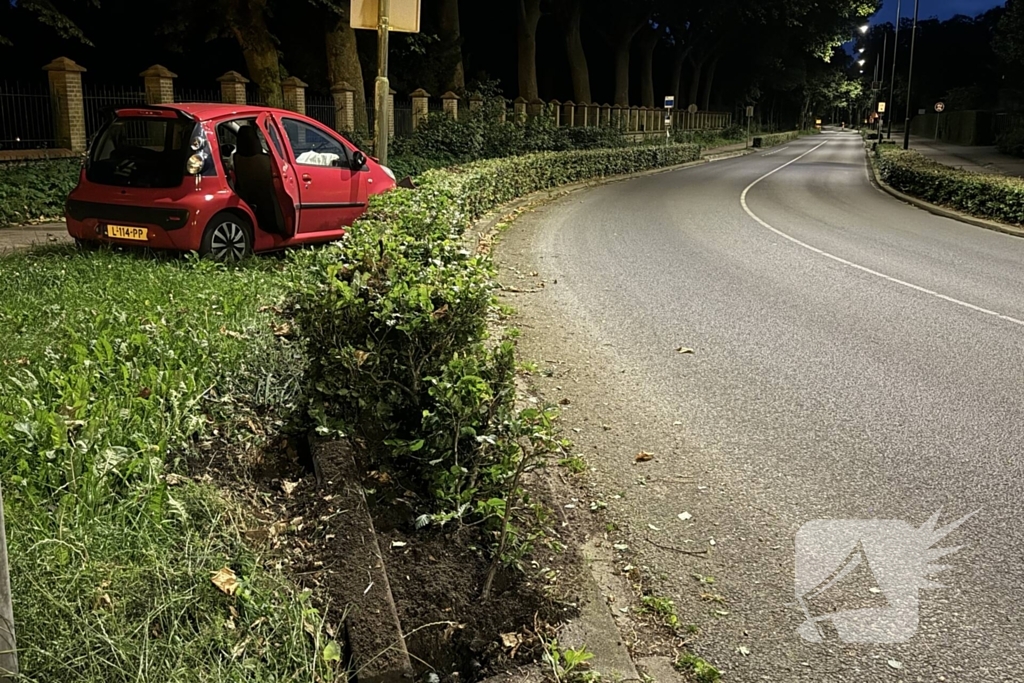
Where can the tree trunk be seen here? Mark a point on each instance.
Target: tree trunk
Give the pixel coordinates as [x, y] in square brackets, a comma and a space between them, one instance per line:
[676, 84]
[648, 42]
[622, 72]
[526, 37]
[451, 34]
[709, 79]
[695, 69]
[343, 63]
[578, 68]
[248, 23]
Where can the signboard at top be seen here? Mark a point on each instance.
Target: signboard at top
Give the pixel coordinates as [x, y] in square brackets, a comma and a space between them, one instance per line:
[670, 102]
[881, 107]
[939, 106]
[404, 17]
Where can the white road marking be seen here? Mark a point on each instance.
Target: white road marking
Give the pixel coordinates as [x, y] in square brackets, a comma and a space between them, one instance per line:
[865, 269]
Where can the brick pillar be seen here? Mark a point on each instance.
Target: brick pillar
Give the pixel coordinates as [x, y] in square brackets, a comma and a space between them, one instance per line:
[617, 116]
[606, 114]
[476, 102]
[595, 114]
[232, 87]
[583, 114]
[556, 112]
[519, 107]
[535, 108]
[652, 119]
[420, 107]
[634, 119]
[69, 108]
[159, 83]
[344, 96]
[294, 92]
[569, 114]
[450, 103]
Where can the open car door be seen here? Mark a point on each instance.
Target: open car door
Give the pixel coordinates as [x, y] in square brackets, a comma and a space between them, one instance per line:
[285, 184]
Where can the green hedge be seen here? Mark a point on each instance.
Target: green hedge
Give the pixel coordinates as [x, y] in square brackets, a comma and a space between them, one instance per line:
[36, 189]
[395, 320]
[772, 139]
[995, 197]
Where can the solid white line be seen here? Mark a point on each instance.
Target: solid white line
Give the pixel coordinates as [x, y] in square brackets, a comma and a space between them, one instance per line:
[865, 269]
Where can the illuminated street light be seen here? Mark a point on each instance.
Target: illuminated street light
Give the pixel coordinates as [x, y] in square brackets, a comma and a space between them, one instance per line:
[861, 62]
[864, 28]
[860, 51]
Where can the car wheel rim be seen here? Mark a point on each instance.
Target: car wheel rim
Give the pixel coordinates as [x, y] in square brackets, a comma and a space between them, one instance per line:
[228, 242]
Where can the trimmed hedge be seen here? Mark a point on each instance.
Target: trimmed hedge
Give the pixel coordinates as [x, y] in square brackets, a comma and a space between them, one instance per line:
[772, 139]
[983, 195]
[395, 317]
[36, 189]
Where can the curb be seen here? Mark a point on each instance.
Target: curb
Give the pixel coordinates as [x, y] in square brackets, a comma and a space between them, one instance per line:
[935, 209]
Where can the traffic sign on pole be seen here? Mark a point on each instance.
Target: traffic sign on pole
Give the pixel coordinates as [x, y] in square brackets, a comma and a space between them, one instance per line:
[670, 102]
[881, 107]
[940, 106]
[403, 15]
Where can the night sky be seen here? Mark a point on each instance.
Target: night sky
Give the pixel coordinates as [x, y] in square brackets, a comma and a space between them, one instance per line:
[943, 9]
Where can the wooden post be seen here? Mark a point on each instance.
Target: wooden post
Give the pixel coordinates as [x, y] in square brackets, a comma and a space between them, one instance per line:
[8, 646]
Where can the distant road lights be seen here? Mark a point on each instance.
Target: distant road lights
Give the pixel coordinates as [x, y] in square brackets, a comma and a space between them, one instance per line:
[864, 28]
[860, 51]
[861, 62]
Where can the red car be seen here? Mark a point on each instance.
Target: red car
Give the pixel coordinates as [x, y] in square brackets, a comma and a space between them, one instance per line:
[220, 179]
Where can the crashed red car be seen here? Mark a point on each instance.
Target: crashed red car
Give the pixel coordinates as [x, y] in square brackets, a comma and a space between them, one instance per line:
[223, 180]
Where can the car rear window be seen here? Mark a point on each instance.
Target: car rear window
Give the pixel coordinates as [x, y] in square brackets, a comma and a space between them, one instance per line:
[141, 152]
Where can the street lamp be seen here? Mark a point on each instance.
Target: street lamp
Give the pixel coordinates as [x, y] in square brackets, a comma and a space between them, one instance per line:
[864, 28]
[892, 79]
[910, 74]
[860, 51]
[861, 62]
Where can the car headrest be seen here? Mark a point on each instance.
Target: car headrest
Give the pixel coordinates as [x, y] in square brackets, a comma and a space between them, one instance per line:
[248, 142]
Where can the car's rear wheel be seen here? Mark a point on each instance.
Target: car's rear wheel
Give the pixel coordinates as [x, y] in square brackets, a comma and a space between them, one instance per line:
[227, 238]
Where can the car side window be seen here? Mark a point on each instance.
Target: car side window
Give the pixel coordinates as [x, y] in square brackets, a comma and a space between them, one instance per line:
[275, 139]
[313, 147]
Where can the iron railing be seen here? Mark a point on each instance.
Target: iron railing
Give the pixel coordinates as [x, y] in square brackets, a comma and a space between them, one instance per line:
[99, 99]
[26, 117]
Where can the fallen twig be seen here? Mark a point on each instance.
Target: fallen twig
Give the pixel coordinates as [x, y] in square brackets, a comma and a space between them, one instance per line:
[674, 549]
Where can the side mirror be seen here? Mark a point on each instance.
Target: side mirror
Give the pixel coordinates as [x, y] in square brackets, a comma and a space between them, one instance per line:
[358, 160]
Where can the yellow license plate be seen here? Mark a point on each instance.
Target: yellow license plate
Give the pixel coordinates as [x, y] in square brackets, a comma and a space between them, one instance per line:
[126, 232]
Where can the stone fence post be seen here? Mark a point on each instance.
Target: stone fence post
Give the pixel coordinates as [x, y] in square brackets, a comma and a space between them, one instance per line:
[294, 92]
[569, 114]
[344, 96]
[534, 108]
[66, 92]
[519, 109]
[583, 114]
[606, 114]
[476, 102]
[420, 107]
[159, 84]
[450, 104]
[391, 111]
[634, 119]
[556, 112]
[232, 88]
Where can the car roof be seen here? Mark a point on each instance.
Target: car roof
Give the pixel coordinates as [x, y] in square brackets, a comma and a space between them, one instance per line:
[206, 111]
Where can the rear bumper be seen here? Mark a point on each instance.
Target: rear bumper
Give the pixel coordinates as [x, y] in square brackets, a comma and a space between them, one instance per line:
[165, 228]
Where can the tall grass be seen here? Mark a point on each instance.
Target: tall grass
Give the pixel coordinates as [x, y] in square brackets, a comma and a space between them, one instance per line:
[113, 370]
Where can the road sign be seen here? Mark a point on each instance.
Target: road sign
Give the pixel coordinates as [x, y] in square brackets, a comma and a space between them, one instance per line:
[670, 102]
[939, 106]
[404, 16]
[881, 107]
[692, 109]
[750, 111]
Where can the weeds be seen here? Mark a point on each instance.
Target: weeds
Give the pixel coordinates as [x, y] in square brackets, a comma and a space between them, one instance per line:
[701, 671]
[663, 608]
[570, 665]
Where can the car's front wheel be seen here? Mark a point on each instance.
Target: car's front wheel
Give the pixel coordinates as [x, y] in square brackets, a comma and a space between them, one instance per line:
[227, 238]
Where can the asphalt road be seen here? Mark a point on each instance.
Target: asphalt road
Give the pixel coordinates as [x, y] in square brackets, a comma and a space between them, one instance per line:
[854, 359]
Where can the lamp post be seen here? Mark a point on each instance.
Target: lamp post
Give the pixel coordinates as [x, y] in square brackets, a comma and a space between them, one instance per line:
[910, 75]
[892, 80]
[383, 87]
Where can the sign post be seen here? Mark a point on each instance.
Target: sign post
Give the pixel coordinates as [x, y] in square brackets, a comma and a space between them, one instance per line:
[750, 115]
[939, 108]
[8, 648]
[384, 16]
[670, 104]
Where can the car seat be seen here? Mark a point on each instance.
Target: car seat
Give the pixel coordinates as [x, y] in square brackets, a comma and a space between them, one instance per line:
[254, 181]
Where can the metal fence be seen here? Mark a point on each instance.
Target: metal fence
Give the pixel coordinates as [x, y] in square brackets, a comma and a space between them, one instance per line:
[254, 97]
[97, 99]
[26, 117]
[322, 109]
[197, 94]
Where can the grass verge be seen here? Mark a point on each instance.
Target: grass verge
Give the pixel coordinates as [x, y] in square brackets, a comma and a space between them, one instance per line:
[116, 369]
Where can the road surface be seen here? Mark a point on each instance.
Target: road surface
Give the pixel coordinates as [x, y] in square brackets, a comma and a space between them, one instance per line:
[854, 359]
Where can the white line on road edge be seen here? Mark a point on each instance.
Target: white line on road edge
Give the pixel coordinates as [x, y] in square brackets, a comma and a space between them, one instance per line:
[838, 259]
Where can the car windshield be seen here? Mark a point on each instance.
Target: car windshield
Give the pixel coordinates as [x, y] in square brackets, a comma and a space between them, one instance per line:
[141, 152]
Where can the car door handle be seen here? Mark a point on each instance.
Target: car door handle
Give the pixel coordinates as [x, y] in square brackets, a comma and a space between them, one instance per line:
[306, 178]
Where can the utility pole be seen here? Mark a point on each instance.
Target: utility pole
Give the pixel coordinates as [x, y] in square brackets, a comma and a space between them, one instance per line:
[910, 75]
[878, 93]
[8, 648]
[383, 86]
[892, 81]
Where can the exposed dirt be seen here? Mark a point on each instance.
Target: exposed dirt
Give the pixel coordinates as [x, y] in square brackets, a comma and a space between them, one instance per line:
[436, 575]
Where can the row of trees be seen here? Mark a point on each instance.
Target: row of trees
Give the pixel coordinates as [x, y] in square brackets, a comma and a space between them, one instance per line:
[760, 49]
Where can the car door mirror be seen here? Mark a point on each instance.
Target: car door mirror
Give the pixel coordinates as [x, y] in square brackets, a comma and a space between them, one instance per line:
[358, 161]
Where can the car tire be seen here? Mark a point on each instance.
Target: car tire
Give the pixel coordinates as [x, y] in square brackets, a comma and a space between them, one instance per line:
[227, 238]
